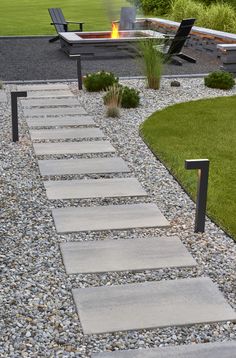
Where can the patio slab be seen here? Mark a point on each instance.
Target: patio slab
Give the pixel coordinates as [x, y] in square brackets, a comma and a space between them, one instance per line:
[43, 87]
[53, 111]
[82, 166]
[206, 350]
[93, 188]
[110, 217]
[125, 255]
[47, 94]
[48, 102]
[151, 305]
[86, 147]
[65, 133]
[61, 121]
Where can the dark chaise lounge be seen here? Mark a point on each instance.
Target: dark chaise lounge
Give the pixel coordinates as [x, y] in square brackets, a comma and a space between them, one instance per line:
[175, 44]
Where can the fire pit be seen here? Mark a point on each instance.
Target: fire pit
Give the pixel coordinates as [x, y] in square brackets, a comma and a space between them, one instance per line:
[104, 44]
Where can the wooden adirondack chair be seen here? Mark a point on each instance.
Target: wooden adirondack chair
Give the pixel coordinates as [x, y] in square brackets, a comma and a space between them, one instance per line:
[60, 23]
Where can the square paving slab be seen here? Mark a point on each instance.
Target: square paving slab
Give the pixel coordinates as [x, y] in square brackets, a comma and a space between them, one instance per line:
[99, 146]
[49, 94]
[111, 217]
[93, 188]
[82, 166]
[125, 255]
[61, 121]
[151, 305]
[53, 111]
[47, 102]
[207, 350]
[65, 133]
[43, 87]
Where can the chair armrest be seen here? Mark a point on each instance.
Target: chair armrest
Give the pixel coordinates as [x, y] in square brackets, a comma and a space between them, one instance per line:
[74, 22]
[58, 23]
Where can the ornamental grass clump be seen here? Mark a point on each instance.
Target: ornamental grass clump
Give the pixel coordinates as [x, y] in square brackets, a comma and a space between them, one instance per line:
[99, 81]
[113, 101]
[220, 79]
[129, 97]
[152, 61]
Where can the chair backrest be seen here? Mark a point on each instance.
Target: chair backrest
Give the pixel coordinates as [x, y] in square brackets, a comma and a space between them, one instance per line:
[127, 18]
[181, 36]
[57, 19]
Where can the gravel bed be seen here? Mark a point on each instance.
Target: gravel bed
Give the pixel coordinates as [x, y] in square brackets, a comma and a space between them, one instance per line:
[19, 56]
[39, 316]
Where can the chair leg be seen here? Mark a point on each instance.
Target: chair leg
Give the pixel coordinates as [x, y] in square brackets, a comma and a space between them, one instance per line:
[54, 39]
[174, 61]
[186, 57]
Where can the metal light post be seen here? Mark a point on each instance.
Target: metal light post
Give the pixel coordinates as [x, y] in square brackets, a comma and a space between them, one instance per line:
[79, 72]
[203, 172]
[14, 113]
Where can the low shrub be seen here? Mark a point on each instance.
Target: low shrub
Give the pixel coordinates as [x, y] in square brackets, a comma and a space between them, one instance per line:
[129, 97]
[220, 79]
[1, 84]
[99, 81]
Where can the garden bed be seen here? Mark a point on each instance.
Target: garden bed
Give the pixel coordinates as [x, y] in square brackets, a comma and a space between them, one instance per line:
[39, 313]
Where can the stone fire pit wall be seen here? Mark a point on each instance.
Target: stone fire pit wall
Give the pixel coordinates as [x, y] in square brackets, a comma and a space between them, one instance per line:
[201, 39]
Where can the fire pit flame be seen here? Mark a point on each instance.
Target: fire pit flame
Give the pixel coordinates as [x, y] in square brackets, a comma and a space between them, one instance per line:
[115, 31]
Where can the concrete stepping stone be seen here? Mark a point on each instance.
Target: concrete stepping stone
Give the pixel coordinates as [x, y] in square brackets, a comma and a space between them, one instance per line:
[206, 350]
[82, 166]
[43, 87]
[86, 147]
[66, 133]
[53, 111]
[110, 217]
[95, 188]
[49, 94]
[47, 102]
[125, 255]
[61, 121]
[151, 305]
[3, 96]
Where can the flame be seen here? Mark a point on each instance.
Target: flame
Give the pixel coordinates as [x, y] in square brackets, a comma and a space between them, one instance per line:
[115, 31]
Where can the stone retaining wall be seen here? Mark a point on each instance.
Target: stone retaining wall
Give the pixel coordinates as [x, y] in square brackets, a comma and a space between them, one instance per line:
[216, 43]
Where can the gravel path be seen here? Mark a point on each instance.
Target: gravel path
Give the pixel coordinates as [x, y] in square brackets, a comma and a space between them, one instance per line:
[36, 59]
[39, 316]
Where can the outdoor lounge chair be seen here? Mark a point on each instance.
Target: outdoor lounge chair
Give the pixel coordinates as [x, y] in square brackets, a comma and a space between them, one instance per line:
[175, 44]
[60, 23]
[127, 18]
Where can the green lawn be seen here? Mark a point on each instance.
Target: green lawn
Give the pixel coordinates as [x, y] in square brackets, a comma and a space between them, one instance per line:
[30, 17]
[200, 129]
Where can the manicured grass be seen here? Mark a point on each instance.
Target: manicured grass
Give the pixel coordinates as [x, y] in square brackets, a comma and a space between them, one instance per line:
[194, 130]
[30, 17]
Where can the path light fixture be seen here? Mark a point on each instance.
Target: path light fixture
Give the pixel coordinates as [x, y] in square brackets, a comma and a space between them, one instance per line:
[79, 72]
[14, 113]
[203, 172]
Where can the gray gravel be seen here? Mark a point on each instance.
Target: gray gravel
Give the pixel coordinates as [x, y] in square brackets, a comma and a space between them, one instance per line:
[35, 58]
[39, 316]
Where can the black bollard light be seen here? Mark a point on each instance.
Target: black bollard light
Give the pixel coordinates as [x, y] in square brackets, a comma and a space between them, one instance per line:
[203, 172]
[14, 113]
[79, 72]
